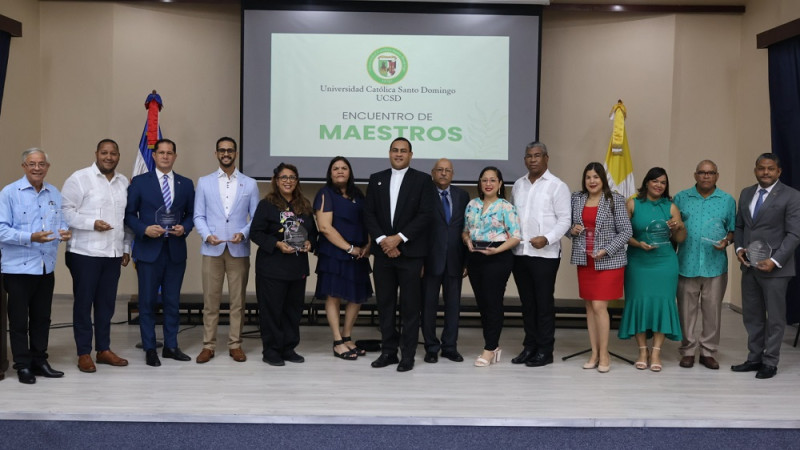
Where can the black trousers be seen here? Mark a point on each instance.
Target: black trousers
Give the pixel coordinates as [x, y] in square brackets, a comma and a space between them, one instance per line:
[390, 274]
[536, 283]
[30, 298]
[451, 295]
[280, 308]
[488, 275]
[94, 286]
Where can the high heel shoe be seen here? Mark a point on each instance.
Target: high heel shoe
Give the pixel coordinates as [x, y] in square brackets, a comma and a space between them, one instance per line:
[604, 369]
[641, 365]
[590, 365]
[656, 367]
[494, 359]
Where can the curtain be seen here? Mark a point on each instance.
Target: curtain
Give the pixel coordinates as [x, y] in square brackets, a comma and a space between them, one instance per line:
[5, 41]
[784, 99]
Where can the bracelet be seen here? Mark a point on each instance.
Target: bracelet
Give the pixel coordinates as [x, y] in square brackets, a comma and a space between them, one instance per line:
[350, 250]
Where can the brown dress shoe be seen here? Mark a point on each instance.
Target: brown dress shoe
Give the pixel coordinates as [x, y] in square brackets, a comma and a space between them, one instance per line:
[238, 355]
[85, 364]
[688, 362]
[110, 358]
[205, 356]
[709, 362]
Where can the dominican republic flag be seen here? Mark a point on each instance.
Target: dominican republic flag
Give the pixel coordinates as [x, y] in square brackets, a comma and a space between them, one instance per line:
[619, 166]
[151, 134]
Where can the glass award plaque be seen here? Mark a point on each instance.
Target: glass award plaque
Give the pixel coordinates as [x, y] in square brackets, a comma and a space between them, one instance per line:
[295, 235]
[714, 231]
[757, 252]
[223, 234]
[585, 242]
[657, 233]
[166, 218]
[51, 220]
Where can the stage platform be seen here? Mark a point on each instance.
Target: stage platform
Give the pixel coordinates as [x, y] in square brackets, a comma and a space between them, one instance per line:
[326, 390]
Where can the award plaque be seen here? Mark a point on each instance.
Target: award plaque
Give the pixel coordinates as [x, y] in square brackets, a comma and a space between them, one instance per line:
[714, 231]
[166, 218]
[51, 220]
[757, 252]
[223, 235]
[481, 245]
[587, 244]
[657, 233]
[295, 235]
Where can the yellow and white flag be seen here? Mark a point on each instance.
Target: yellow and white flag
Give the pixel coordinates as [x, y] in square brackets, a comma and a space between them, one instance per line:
[619, 165]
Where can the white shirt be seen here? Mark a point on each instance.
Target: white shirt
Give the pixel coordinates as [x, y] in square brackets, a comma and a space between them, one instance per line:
[88, 196]
[394, 189]
[544, 209]
[227, 189]
[755, 197]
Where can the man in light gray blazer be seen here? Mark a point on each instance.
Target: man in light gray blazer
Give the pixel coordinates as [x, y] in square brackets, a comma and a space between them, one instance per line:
[770, 212]
[225, 202]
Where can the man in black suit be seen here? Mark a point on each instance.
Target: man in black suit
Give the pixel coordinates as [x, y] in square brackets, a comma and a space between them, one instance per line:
[770, 212]
[397, 214]
[444, 265]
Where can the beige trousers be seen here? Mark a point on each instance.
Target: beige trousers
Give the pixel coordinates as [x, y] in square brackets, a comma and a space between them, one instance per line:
[215, 268]
[700, 296]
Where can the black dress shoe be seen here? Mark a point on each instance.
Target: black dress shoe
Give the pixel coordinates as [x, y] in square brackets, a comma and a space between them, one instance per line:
[766, 372]
[385, 360]
[523, 357]
[44, 369]
[293, 357]
[272, 360]
[26, 376]
[176, 354]
[453, 356]
[430, 357]
[406, 365]
[747, 366]
[540, 359]
[151, 358]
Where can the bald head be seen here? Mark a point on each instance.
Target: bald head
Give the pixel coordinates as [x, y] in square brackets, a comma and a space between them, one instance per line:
[442, 173]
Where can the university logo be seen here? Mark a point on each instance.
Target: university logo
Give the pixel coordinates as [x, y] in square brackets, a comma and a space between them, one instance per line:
[387, 65]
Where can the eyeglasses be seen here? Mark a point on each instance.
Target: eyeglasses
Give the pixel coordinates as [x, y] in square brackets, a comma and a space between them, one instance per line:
[709, 173]
[443, 170]
[489, 180]
[291, 178]
[40, 165]
[226, 151]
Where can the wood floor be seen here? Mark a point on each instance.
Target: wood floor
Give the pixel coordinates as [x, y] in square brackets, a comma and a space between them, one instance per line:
[328, 390]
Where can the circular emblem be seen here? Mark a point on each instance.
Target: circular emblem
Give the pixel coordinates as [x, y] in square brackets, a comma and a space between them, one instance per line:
[387, 65]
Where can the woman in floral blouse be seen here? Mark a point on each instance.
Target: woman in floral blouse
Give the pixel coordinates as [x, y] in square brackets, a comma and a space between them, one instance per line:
[491, 229]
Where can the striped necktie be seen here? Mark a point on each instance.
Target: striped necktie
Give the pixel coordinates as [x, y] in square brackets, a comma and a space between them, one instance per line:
[166, 193]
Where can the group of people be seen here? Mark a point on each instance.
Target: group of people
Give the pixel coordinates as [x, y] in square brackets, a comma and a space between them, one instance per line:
[425, 235]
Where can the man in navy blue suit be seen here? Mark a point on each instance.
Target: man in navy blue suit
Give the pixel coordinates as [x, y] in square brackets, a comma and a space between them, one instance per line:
[160, 253]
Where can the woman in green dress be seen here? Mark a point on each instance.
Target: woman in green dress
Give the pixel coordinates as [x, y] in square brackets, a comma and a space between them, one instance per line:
[651, 277]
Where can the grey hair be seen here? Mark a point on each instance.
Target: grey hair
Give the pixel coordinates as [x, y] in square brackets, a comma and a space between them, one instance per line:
[33, 150]
[538, 144]
[707, 161]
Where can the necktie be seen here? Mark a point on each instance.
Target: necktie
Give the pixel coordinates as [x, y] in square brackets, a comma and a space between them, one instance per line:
[446, 206]
[759, 202]
[165, 192]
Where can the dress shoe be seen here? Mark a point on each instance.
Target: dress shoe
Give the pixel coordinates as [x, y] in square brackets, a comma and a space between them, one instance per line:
[747, 366]
[687, 362]
[766, 372]
[709, 362]
[293, 357]
[384, 360]
[175, 353]
[276, 361]
[237, 354]
[452, 356]
[430, 357]
[85, 364]
[524, 356]
[405, 365]
[151, 358]
[110, 358]
[205, 356]
[26, 376]
[46, 371]
[540, 359]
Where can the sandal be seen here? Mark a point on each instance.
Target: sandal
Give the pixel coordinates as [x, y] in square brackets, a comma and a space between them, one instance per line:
[656, 367]
[359, 351]
[350, 355]
[641, 365]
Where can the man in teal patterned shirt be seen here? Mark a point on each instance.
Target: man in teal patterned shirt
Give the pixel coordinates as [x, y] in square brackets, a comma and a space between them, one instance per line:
[710, 218]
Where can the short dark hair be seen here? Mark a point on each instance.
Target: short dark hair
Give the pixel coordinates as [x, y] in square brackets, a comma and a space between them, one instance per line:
[107, 141]
[771, 156]
[225, 139]
[162, 141]
[404, 140]
[501, 193]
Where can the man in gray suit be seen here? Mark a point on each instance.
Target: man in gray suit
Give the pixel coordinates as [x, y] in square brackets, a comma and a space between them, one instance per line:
[445, 265]
[770, 212]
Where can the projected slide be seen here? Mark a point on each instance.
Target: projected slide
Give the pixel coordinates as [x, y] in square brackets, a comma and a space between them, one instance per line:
[340, 93]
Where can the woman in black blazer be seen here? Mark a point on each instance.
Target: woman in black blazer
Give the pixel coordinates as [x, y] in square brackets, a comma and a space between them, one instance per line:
[282, 263]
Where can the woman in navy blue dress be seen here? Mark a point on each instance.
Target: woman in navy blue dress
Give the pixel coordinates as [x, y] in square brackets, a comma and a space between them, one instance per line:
[342, 254]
